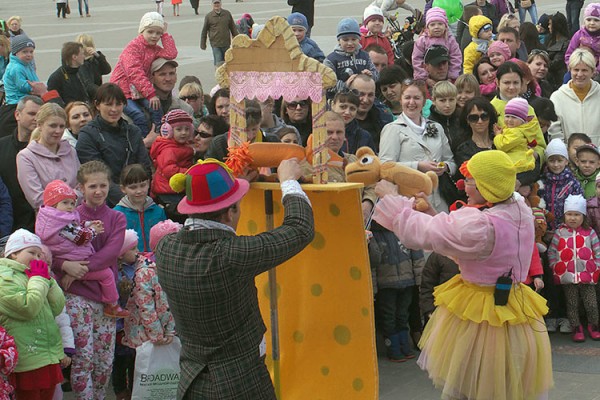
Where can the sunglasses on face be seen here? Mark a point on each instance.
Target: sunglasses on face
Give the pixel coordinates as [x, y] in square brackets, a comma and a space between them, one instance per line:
[204, 134]
[295, 104]
[476, 117]
[186, 98]
[486, 28]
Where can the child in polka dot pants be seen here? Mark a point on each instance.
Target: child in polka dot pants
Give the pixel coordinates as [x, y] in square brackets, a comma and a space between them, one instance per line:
[574, 256]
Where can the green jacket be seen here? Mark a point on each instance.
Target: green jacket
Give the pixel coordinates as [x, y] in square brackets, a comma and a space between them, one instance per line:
[27, 311]
[588, 183]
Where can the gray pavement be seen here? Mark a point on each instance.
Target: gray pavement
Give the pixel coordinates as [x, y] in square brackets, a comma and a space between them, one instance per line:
[114, 23]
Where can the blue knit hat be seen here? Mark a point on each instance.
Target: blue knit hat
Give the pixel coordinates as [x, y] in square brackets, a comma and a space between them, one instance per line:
[348, 26]
[297, 20]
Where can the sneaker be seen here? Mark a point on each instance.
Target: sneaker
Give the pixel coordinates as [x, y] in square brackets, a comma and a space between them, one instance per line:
[578, 336]
[565, 325]
[551, 325]
[593, 332]
[115, 311]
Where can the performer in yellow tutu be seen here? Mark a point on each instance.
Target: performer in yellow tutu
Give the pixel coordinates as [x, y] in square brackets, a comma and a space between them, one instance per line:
[471, 347]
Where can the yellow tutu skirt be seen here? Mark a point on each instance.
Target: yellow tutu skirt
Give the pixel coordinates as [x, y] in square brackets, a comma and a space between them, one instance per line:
[473, 349]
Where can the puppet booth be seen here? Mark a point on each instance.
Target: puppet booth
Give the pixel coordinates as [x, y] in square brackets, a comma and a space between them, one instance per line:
[318, 306]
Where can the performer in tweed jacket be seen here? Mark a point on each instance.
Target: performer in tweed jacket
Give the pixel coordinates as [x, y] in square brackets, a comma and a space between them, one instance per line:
[208, 274]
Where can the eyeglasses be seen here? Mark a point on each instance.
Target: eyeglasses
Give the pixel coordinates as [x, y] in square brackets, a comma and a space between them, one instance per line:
[192, 98]
[477, 117]
[295, 104]
[204, 134]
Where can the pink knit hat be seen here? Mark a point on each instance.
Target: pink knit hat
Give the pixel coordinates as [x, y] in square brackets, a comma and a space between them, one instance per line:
[162, 229]
[131, 241]
[592, 11]
[436, 14]
[518, 107]
[499, 47]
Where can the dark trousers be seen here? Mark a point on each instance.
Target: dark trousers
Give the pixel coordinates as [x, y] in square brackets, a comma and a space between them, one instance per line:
[553, 293]
[392, 308]
[573, 9]
[61, 8]
[122, 373]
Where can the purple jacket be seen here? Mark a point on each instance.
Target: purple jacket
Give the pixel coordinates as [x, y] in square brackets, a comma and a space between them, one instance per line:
[107, 246]
[583, 38]
[49, 223]
[424, 42]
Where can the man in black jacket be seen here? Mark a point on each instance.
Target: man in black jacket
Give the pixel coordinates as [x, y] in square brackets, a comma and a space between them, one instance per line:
[25, 114]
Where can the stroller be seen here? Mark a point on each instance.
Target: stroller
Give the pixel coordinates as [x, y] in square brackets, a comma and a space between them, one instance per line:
[404, 34]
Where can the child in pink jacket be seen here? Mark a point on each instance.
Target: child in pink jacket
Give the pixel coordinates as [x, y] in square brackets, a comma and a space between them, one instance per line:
[59, 226]
[150, 318]
[132, 72]
[436, 33]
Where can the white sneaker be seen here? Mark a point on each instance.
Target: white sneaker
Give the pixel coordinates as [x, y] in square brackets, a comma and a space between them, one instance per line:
[551, 325]
[565, 325]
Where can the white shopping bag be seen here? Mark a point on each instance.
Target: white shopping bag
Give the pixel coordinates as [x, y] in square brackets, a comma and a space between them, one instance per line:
[157, 369]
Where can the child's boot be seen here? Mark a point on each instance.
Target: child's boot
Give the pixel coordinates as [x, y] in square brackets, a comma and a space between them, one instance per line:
[392, 344]
[405, 345]
[593, 331]
[578, 335]
[115, 311]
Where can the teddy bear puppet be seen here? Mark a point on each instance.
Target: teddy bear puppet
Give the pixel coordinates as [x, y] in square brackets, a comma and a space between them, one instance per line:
[369, 170]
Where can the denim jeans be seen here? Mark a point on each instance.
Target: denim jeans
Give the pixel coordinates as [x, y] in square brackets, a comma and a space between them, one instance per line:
[532, 13]
[392, 309]
[573, 9]
[135, 110]
[87, 8]
[219, 55]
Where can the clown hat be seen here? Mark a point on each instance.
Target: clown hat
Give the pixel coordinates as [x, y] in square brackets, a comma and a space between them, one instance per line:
[209, 186]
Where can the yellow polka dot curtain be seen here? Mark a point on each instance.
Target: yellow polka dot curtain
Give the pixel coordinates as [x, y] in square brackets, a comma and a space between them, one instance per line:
[325, 299]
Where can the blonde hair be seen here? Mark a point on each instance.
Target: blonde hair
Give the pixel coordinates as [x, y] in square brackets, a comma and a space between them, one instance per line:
[191, 89]
[46, 111]
[468, 83]
[16, 18]
[86, 40]
[444, 89]
[6, 44]
[505, 20]
[582, 55]
[74, 104]
[331, 116]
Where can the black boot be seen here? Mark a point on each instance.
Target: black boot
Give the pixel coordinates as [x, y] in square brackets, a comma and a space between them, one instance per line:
[196, 11]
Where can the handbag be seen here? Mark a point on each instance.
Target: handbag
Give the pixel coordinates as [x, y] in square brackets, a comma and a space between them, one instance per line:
[156, 374]
[526, 3]
[68, 10]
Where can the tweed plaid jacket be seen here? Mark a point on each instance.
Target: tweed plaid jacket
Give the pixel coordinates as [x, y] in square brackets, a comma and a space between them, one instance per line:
[208, 275]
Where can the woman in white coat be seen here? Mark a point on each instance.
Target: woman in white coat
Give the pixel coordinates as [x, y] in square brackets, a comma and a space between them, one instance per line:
[416, 142]
[577, 103]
